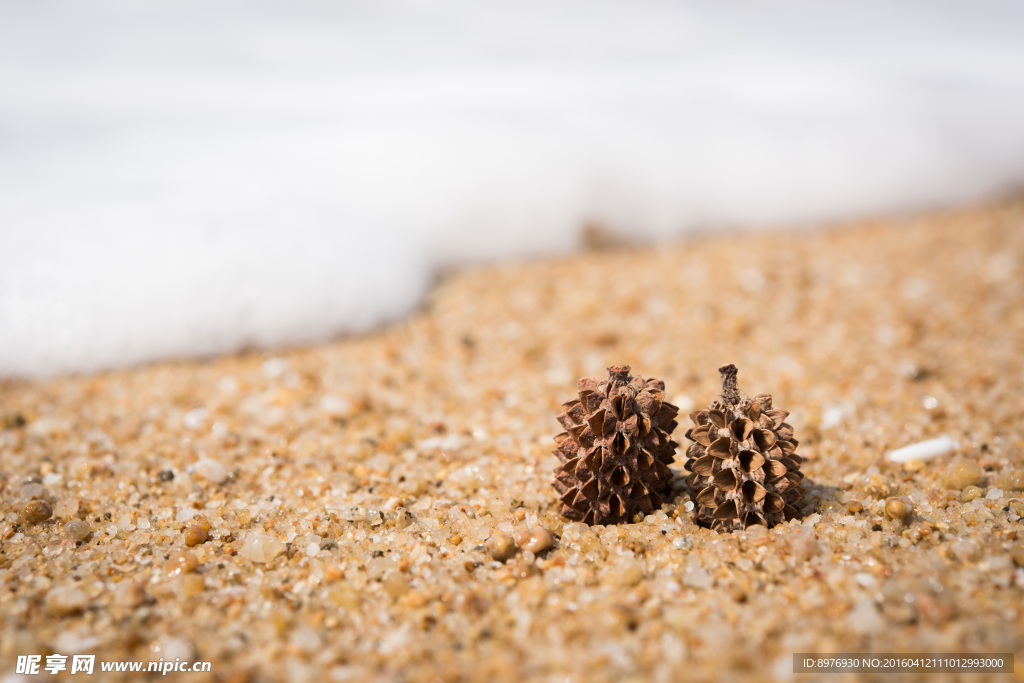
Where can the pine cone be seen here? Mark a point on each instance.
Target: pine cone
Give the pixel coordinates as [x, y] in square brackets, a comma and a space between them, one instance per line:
[616, 448]
[743, 461]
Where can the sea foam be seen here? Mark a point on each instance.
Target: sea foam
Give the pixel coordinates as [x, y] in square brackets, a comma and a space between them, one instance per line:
[189, 178]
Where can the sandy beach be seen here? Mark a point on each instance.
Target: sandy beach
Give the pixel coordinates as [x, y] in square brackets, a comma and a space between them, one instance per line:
[319, 513]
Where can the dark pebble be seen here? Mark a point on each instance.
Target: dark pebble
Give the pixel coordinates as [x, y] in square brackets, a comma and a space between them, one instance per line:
[165, 475]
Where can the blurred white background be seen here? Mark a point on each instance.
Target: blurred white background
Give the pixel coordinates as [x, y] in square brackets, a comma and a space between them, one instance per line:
[187, 178]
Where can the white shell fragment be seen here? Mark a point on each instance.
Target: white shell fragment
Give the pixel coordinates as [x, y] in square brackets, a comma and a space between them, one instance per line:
[925, 450]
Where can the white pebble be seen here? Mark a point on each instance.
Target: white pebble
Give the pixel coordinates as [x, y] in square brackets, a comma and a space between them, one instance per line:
[688, 506]
[66, 600]
[832, 416]
[864, 579]
[694, 577]
[994, 494]
[924, 450]
[262, 548]
[313, 549]
[185, 514]
[864, 618]
[471, 477]
[211, 470]
[683, 402]
[194, 419]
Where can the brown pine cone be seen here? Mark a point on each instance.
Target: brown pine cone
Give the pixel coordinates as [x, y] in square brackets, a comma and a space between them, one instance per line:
[744, 464]
[616, 448]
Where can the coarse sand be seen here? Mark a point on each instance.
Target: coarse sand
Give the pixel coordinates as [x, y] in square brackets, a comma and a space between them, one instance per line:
[321, 514]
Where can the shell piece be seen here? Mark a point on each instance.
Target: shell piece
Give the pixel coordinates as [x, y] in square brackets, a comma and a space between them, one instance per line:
[616, 448]
[743, 464]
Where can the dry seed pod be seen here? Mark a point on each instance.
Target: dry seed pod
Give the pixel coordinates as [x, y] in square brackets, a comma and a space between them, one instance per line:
[616, 448]
[743, 461]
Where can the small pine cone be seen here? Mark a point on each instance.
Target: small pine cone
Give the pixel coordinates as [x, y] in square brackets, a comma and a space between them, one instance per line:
[743, 462]
[616, 448]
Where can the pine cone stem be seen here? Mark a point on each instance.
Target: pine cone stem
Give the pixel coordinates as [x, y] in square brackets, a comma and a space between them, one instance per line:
[730, 391]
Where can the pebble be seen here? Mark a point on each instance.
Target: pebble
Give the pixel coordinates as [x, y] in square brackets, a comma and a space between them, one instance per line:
[66, 507]
[864, 618]
[262, 548]
[471, 477]
[194, 535]
[395, 584]
[180, 562]
[878, 486]
[129, 594]
[626, 572]
[36, 511]
[535, 540]
[695, 577]
[190, 585]
[962, 473]
[965, 550]
[970, 493]
[77, 530]
[211, 470]
[802, 546]
[500, 546]
[65, 600]
[33, 491]
[899, 509]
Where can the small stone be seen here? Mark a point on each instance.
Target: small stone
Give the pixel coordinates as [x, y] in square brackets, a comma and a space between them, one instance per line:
[500, 546]
[970, 493]
[211, 470]
[66, 508]
[854, 506]
[913, 466]
[994, 494]
[535, 540]
[899, 509]
[180, 562]
[962, 473]
[194, 535]
[77, 530]
[627, 572]
[165, 475]
[313, 549]
[864, 618]
[34, 491]
[878, 486]
[36, 511]
[695, 577]
[65, 600]
[190, 585]
[802, 546]
[965, 550]
[455, 540]
[395, 584]
[129, 594]
[262, 548]
[1011, 481]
